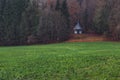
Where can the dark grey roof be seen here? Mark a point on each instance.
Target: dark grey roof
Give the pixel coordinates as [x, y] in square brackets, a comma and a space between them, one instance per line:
[77, 26]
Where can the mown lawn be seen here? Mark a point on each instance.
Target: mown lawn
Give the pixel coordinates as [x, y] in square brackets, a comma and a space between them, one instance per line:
[65, 61]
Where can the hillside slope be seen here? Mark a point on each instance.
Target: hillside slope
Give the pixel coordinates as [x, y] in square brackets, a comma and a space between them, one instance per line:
[66, 61]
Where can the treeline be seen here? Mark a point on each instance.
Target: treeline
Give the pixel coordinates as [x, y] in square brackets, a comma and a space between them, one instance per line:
[30, 21]
[35, 21]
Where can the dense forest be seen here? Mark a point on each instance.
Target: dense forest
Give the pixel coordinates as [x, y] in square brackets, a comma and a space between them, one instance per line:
[46, 21]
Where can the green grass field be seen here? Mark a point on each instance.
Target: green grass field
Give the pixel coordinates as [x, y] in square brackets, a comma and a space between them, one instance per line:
[64, 61]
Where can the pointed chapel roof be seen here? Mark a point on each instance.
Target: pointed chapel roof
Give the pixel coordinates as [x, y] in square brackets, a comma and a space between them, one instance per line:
[78, 26]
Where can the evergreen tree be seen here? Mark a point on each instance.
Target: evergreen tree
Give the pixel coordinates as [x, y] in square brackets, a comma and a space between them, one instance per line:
[2, 22]
[64, 9]
[101, 25]
[65, 13]
[30, 21]
[85, 20]
[52, 27]
[57, 7]
[10, 14]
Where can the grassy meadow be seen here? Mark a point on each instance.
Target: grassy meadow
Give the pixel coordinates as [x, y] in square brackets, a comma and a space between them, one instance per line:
[64, 61]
